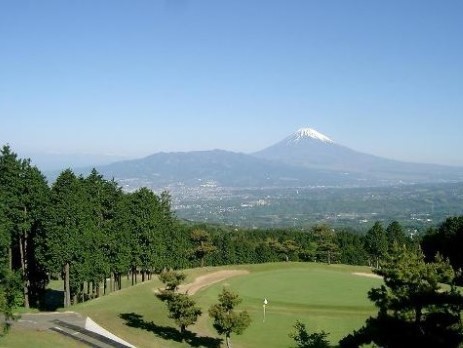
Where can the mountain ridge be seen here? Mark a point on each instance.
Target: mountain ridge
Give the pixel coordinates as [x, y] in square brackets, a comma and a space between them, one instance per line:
[303, 159]
[329, 155]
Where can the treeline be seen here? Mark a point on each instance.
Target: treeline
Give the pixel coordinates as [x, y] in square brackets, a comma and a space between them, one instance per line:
[83, 229]
[320, 243]
[90, 233]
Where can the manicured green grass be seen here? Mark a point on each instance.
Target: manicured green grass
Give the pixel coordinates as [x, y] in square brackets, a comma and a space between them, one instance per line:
[328, 298]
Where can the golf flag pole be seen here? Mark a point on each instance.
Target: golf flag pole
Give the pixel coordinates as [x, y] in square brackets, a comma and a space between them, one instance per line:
[265, 303]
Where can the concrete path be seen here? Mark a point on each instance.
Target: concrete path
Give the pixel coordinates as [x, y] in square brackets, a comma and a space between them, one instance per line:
[72, 325]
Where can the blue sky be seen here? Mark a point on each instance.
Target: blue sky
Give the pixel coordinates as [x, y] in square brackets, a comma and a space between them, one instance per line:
[138, 77]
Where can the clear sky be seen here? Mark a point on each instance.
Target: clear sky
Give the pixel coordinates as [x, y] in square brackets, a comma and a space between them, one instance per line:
[137, 77]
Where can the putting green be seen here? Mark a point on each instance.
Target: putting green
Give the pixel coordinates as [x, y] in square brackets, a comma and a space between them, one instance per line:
[328, 298]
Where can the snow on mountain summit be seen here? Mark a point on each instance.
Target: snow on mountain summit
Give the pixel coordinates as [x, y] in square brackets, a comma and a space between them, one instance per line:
[305, 133]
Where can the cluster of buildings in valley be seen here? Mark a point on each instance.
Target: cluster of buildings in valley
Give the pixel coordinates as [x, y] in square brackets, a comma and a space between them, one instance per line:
[206, 200]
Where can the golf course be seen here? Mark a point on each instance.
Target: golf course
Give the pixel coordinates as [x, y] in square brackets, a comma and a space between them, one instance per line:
[332, 298]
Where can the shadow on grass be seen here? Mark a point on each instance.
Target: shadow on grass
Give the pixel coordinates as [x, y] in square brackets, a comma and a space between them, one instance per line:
[51, 300]
[169, 333]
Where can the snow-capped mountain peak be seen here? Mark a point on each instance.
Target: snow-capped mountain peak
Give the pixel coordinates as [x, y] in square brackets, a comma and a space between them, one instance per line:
[305, 133]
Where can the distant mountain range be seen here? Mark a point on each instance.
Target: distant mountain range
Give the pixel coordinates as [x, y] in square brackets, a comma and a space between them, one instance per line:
[303, 159]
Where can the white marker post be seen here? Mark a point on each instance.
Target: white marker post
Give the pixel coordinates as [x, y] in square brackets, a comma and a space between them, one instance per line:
[265, 303]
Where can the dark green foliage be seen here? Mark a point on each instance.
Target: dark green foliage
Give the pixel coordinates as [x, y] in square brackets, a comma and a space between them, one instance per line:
[265, 252]
[327, 249]
[226, 319]
[180, 306]
[10, 171]
[34, 200]
[203, 245]
[309, 253]
[150, 222]
[105, 251]
[83, 240]
[23, 200]
[225, 249]
[305, 340]
[413, 309]
[321, 243]
[447, 241]
[279, 250]
[172, 279]
[5, 238]
[10, 295]
[95, 231]
[68, 223]
[376, 243]
[183, 310]
[395, 235]
[178, 245]
[120, 242]
[351, 247]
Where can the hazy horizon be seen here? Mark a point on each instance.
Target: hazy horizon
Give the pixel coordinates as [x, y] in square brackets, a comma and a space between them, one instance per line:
[56, 160]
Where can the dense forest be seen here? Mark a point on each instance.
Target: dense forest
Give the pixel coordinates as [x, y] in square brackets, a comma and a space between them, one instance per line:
[85, 230]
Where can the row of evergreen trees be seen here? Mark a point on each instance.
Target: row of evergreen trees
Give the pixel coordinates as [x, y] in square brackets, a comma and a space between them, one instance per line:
[84, 229]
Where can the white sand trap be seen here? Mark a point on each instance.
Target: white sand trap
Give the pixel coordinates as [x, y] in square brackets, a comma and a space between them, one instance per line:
[209, 279]
[365, 274]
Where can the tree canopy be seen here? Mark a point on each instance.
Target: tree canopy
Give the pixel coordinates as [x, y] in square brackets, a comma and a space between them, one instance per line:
[226, 319]
[304, 339]
[414, 309]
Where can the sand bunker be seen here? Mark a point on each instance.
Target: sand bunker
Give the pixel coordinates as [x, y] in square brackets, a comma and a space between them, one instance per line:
[370, 275]
[209, 279]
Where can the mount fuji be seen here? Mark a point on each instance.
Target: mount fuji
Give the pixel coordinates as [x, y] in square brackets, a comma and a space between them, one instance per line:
[311, 149]
[306, 158]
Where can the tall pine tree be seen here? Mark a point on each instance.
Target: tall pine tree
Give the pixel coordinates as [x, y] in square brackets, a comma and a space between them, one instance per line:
[67, 223]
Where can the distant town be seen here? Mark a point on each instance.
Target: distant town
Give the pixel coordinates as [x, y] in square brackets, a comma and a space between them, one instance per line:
[417, 207]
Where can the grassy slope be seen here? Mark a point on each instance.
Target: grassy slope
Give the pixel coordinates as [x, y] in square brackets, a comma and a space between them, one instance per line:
[136, 315]
[37, 339]
[324, 297]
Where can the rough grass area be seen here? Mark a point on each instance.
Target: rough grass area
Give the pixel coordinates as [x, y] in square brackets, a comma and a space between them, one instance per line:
[329, 298]
[36, 339]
